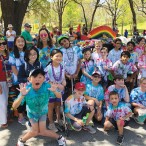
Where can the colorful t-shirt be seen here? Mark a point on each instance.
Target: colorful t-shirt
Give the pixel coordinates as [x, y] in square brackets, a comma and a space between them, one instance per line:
[44, 56]
[123, 69]
[139, 50]
[95, 56]
[142, 62]
[37, 101]
[114, 55]
[133, 58]
[17, 62]
[137, 96]
[120, 91]
[89, 68]
[70, 59]
[74, 105]
[100, 64]
[95, 91]
[119, 111]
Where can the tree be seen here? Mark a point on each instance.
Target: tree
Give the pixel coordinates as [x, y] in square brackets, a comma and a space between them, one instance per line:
[58, 7]
[131, 3]
[13, 12]
[141, 6]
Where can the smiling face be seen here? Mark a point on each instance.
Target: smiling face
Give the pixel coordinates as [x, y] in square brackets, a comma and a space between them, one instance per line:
[87, 55]
[32, 56]
[119, 83]
[130, 47]
[37, 81]
[79, 93]
[43, 35]
[124, 59]
[65, 43]
[20, 43]
[57, 58]
[96, 78]
[3, 45]
[114, 99]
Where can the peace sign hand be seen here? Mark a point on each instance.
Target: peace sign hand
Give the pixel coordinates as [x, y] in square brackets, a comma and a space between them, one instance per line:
[23, 89]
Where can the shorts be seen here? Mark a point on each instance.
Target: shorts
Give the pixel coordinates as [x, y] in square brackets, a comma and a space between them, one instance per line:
[41, 119]
[52, 100]
[115, 123]
[10, 44]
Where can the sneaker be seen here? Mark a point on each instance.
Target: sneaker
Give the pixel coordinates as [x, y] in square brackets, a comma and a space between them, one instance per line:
[53, 127]
[137, 120]
[90, 129]
[20, 143]
[28, 125]
[61, 141]
[22, 121]
[120, 139]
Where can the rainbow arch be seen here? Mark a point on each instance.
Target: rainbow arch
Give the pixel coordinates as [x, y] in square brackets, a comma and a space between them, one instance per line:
[99, 31]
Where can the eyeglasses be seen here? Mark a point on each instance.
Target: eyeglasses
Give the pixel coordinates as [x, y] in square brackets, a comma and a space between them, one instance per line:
[43, 35]
[97, 76]
[33, 54]
[3, 43]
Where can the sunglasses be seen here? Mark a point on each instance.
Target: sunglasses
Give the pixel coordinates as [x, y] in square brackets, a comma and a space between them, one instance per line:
[43, 35]
[97, 76]
[3, 43]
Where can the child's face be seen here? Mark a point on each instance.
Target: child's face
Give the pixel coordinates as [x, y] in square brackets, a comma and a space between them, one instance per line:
[79, 92]
[118, 44]
[3, 45]
[43, 35]
[87, 55]
[65, 43]
[124, 59]
[114, 100]
[119, 82]
[57, 58]
[98, 46]
[20, 43]
[130, 47]
[32, 56]
[143, 85]
[37, 81]
[142, 42]
[96, 79]
[103, 53]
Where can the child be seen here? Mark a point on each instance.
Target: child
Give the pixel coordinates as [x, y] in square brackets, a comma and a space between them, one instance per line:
[120, 88]
[138, 101]
[16, 59]
[76, 108]
[94, 91]
[36, 96]
[87, 67]
[96, 53]
[31, 58]
[3, 83]
[71, 59]
[115, 53]
[45, 46]
[104, 65]
[142, 64]
[55, 74]
[125, 68]
[117, 115]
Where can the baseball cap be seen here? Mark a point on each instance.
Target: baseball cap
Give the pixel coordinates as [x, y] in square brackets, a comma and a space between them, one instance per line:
[96, 73]
[27, 25]
[35, 72]
[80, 86]
[61, 37]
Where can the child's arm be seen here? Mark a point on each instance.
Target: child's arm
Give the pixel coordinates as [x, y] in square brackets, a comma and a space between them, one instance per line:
[86, 74]
[23, 93]
[78, 69]
[92, 98]
[138, 105]
[14, 70]
[126, 116]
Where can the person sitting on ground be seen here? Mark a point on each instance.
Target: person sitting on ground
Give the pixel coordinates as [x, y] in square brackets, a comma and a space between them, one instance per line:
[76, 108]
[117, 115]
[95, 91]
[138, 101]
[125, 68]
[36, 95]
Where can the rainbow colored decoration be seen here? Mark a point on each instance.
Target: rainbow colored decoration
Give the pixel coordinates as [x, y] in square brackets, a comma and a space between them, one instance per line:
[99, 31]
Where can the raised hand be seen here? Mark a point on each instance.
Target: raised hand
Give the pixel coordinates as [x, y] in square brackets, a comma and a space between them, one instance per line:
[54, 86]
[23, 89]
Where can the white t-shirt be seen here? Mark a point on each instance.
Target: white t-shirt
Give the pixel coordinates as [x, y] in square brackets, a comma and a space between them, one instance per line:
[11, 38]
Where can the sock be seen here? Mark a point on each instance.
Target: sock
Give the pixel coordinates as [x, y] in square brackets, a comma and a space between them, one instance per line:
[60, 137]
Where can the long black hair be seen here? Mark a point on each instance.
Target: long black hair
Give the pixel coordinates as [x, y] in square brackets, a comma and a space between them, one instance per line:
[49, 41]
[27, 54]
[16, 50]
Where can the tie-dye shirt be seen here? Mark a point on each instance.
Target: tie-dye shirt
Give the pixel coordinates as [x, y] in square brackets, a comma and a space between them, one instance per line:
[89, 68]
[37, 101]
[100, 64]
[123, 69]
[133, 58]
[142, 62]
[17, 62]
[139, 50]
[74, 105]
[137, 96]
[95, 91]
[120, 110]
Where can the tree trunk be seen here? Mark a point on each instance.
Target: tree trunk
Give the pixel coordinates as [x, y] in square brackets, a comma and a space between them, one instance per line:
[13, 13]
[60, 22]
[86, 24]
[133, 15]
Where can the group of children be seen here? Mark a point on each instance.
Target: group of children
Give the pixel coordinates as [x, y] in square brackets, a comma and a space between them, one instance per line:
[42, 76]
